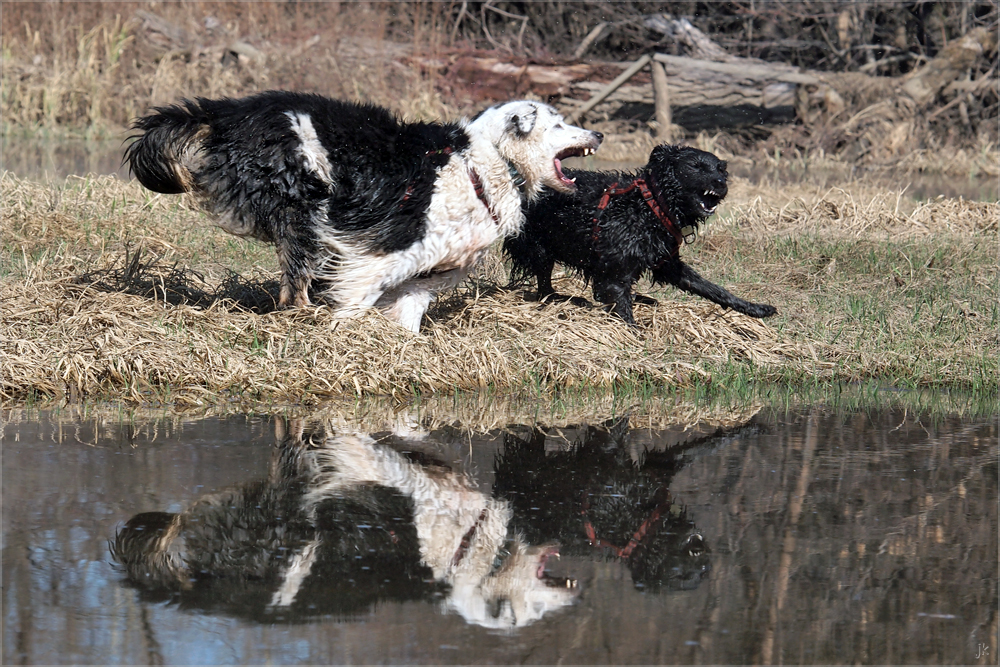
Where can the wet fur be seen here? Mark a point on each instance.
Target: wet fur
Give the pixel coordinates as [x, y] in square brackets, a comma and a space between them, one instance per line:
[631, 241]
[365, 210]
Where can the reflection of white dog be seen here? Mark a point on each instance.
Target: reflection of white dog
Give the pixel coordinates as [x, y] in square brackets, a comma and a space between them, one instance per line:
[290, 542]
[496, 579]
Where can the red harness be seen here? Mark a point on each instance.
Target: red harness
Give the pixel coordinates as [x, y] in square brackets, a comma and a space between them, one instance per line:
[625, 551]
[650, 199]
[477, 185]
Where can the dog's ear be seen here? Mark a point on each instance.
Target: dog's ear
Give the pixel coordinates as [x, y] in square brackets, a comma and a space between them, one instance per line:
[664, 152]
[521, 120]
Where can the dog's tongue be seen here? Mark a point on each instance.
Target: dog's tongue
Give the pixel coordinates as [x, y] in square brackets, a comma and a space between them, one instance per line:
[559, 172]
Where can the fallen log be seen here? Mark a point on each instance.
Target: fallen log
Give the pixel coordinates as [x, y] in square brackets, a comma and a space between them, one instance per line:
[610, 88]
[702, 94]
[954, 60]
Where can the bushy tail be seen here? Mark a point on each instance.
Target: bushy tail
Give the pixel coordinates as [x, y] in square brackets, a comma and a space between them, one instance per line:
[516, 248]
[165, 151]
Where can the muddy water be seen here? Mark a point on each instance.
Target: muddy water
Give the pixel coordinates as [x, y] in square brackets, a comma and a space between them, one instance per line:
[808, 537]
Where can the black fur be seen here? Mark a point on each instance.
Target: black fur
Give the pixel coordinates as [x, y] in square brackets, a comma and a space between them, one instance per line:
[630, 239]
[557, 491]
[229, 549]
[245, 163]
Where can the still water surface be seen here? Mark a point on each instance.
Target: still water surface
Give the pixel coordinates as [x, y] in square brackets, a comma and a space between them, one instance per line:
[808, 537]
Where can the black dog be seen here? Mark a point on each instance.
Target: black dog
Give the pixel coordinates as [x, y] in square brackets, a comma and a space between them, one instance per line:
[617, 226]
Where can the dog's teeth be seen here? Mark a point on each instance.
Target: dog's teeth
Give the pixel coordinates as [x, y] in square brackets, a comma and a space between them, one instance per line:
[573, 180]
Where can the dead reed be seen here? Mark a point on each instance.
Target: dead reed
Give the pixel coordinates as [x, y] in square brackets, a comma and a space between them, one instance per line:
[90, 68]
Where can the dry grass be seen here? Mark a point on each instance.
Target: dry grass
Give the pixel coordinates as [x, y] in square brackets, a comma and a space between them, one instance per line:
[90, 68]
[59, 76]
[62, 337]
[111, 292]
[471, 413]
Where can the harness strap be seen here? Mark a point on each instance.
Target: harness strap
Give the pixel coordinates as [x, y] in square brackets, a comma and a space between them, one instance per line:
[650, 199]
[625, 551]
[463, 546]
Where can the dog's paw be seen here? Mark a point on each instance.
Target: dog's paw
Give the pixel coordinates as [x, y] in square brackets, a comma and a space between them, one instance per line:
[556, 297]
[760, 310]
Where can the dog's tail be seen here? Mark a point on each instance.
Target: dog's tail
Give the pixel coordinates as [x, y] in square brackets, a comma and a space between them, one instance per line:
[166, 151]
[515, 248]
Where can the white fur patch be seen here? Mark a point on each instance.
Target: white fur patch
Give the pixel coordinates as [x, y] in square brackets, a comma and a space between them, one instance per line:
[311, 150]
[460, 227]
[298, 569]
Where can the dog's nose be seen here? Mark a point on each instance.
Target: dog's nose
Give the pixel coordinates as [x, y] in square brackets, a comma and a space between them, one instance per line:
[598, 135]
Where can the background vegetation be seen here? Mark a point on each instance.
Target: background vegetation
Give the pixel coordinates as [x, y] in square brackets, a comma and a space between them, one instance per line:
[89, 68]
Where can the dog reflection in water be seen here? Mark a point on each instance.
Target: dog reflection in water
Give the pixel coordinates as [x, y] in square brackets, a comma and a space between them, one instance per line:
[340, 524]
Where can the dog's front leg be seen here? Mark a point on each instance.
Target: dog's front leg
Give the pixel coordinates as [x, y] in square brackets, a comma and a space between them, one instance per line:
[406, 304]
[617, 296]
[689, 280]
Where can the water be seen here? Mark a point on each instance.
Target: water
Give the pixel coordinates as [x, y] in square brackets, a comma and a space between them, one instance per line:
[807, 537]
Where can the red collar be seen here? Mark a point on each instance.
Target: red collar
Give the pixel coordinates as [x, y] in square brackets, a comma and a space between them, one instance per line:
[637, 537]
[649, 198]
[477, 183]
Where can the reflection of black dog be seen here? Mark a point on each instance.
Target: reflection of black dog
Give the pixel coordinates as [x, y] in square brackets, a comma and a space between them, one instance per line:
[341, 524]
[615, 227]
[594, 496]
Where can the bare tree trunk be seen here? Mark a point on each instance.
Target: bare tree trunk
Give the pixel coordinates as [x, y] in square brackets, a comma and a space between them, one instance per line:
[661, 94]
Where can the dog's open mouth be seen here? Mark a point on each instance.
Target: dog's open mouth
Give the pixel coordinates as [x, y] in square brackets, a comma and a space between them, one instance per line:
[708, 201]
[547, 578]
[576, 151]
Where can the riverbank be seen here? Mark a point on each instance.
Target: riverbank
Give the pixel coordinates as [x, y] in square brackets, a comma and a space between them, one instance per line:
[113, 293]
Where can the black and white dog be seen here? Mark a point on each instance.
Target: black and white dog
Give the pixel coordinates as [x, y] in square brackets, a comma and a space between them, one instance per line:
[365, 210]
[341, 524]
[614, 227]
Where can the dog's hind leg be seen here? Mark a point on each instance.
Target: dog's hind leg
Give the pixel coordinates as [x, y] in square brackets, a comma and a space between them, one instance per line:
[683, 276]
[548, 295]
[543, 276]
[296, 273]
